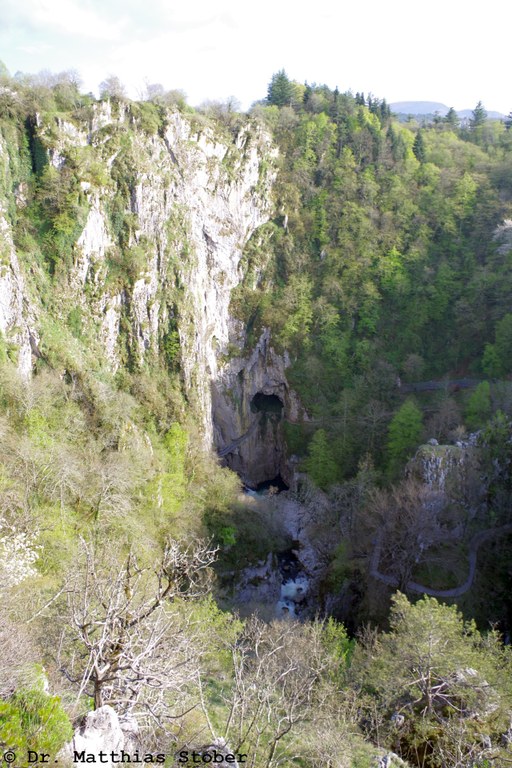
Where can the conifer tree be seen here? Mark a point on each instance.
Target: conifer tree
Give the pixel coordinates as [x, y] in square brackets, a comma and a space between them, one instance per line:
[479, 409]
[403, 435]
[479, 116]
[320, 463]
[280, 89]
[451, 118]
[419, 147]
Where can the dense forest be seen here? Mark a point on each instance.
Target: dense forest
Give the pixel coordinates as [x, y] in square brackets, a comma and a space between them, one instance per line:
[378, 264]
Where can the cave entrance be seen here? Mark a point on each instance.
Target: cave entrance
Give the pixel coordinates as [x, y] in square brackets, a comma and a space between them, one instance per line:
[262, 403]
[267, 487]
[277, 484]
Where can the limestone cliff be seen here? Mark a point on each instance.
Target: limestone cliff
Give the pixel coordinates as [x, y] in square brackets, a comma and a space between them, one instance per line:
[251, 400]
[453, 471]
[167, 209]
[17, 316]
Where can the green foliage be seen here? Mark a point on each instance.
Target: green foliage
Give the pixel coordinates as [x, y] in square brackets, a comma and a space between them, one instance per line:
[431, 668]
[31, 719]
[297, 307]
[374, 258]
[419, 147]
[147, 116]
[320, 463]
[75, 322]
[404, 435]
[380, 261]
[491, 362]
[478, 117]
[59, 212]
[496, 458]
[452, 119]
[282, 91]
[168, 489]
[479, 406]
[3, 349]
[497, 359]
[126, 265]
[339, 568]
[38, 152]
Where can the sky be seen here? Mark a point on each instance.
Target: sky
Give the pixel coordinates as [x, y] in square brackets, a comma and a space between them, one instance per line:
[449, 51]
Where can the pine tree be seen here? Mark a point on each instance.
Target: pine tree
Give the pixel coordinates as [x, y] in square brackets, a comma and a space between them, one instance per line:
[385, 110]
[479, 409]
[451, 118]
[419, 147]
[280, 89]
[479, 116]
[403, 435]
[320, 463]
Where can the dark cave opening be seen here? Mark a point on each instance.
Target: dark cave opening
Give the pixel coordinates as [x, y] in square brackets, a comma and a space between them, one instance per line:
[267, 487]
[262, 403]
[277, 484]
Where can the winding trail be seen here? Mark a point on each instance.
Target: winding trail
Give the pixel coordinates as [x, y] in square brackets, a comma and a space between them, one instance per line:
[477, 540]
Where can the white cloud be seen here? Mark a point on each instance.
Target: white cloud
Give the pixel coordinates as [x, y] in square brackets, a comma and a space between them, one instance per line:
[60, 16]
[449, 51]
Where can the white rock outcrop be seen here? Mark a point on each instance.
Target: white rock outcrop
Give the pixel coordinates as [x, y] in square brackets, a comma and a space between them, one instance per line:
[197, 200]
[101, 732]
[17, 315]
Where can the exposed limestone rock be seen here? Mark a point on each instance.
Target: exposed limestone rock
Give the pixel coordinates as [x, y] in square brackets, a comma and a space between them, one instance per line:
[194, 216]
[452, 470]
[103, 732]
[390, 760]
[287, 585]
[259, 583]
[503, 236]
[17, 316]
[111, 310]
[193, 199]
[436, 464]
[261, 454]
[223, 211]
[216, 751]
[93, 243]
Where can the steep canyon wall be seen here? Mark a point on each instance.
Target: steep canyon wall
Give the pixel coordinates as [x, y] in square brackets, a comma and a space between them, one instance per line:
[167, 211]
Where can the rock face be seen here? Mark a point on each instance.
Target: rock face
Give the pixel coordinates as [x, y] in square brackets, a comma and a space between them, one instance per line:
[287, 584]
[438, 465]
[217, 751]
[167, 211]
[17, 315]
[251, 400]
[452, 471]
[101, 732]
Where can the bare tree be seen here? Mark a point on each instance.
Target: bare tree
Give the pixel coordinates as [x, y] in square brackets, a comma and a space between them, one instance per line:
[128, 642]
[112, 88]
[17, 557]
[410, 526]
[277, 674]
[373, 420]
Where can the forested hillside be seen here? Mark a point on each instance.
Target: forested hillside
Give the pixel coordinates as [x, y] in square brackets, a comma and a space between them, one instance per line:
[390, 264]
[308, 302]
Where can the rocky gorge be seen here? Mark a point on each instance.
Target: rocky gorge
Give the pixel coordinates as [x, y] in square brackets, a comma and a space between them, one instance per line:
[193, 199]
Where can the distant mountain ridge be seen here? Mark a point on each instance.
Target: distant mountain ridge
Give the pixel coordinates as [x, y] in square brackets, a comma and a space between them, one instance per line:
[431, 107]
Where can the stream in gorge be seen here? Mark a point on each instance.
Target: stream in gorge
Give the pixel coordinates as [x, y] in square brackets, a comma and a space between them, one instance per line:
[282, 581]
